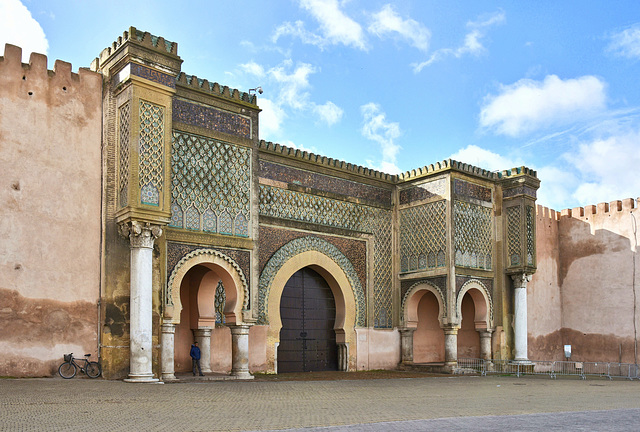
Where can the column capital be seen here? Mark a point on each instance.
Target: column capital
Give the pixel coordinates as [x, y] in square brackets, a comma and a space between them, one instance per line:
[141, 234]
[520, 280]
[451, 329]
[406, 330]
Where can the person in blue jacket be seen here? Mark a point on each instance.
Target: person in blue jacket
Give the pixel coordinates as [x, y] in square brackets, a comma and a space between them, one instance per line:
[195, 357]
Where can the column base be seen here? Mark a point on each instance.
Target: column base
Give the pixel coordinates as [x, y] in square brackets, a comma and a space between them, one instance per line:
[169, 377]
[242, 375]
[142, 379]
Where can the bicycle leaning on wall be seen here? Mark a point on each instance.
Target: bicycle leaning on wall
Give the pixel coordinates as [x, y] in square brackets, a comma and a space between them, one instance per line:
[70, 367]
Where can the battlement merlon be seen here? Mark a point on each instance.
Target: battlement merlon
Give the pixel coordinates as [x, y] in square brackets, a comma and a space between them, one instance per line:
[140, 47]
[215, 89]
[519, 181]
[61, 78]
[626, 205]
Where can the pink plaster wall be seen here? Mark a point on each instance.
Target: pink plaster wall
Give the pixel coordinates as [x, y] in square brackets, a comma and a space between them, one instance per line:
[377, 349]
[428, 339]
[468, 336]
[50, 201]
[593, 276]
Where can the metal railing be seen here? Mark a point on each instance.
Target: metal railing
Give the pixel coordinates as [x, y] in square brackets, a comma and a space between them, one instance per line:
[552, 369]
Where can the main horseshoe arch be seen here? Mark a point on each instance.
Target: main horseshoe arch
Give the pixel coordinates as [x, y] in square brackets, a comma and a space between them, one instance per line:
[335, 268]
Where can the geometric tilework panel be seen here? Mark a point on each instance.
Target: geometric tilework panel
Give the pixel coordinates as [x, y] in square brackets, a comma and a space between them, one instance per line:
[210, 185]
[513, 235]
[473, 235]
[382, 269]
[125, 151]
[151, 151]
[423, 236]
[531, 242]
[292, 205]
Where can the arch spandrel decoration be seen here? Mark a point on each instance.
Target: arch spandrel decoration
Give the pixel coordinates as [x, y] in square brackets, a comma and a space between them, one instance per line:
[296, 247]
[477, 285]
[204, 257]
[420, 286]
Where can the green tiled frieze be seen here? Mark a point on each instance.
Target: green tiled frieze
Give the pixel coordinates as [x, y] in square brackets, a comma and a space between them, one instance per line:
[210, 185]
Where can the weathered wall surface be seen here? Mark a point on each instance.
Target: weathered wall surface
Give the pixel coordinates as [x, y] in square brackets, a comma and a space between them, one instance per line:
[50, 199]
[594, 274]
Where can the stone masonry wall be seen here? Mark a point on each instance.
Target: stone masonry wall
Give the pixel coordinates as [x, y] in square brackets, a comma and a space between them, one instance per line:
[50, 200]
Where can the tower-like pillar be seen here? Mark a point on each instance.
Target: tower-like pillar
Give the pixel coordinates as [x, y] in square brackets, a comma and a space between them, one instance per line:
[240, 351]
[406, 345]
[485, 343]
[520, 311]
[141, 237]
[451, 346]
[203, 337]
[168, 352]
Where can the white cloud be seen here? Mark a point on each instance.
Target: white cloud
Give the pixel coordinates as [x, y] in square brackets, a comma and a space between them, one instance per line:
[293, 85]
[329, 113]
[18, 27]
[485, 159]
[271, 119]
[297, 30]
[472, 40]
[387, 21]
[529, 105]
[608, 168]
[626, 43]
[253, 68]
[336, 27]
[378, 129]
[288, 89]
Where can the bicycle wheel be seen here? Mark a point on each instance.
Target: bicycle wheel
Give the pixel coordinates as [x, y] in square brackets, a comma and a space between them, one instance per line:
[93, 369]
[67, 370]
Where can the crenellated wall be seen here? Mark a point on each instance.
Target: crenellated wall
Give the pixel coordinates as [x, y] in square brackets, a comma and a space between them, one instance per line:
[583, 292]
[50, 201]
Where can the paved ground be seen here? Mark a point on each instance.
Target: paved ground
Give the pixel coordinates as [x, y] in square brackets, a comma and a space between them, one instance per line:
[328, 405]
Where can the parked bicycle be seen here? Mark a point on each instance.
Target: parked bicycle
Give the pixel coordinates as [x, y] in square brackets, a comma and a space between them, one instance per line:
[70, 367]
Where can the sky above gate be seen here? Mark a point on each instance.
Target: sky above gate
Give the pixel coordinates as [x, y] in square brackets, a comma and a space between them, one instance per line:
[553, 85]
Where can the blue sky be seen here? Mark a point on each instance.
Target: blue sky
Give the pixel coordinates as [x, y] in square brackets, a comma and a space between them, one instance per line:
[552, 85]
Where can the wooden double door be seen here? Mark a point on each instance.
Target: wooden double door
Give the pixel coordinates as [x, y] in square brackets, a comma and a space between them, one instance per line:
[308, 314]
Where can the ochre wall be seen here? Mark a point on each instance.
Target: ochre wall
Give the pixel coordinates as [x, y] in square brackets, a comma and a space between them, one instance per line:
[583, 292]
[50, 199]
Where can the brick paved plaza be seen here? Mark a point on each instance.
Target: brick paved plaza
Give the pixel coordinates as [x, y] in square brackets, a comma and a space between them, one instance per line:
[371, 404]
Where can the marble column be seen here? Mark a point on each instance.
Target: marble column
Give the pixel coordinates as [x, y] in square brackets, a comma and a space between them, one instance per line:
[141, 237]
[240, 351]
[406, 345]
[168, 352]
[520, 318]
[203, 337]
[451, 345]
[485, 344]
